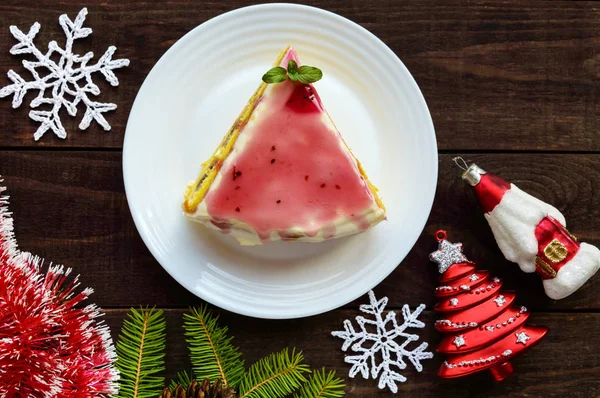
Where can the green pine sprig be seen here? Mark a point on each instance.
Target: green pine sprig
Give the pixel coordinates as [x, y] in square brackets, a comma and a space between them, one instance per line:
[212, 354]
[275, 376]
[304, 74]
[183, 377]
[141, 351]
[322, 384]
[141, 354]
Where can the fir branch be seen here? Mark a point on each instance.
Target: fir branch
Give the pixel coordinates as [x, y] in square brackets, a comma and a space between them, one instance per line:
[211, 352]
[141, 354]
[184, 378]
[274, 376]
[322, 385]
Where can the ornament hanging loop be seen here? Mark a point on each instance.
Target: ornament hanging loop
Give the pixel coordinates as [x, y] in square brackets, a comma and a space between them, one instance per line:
[441, 235]
[461, 163]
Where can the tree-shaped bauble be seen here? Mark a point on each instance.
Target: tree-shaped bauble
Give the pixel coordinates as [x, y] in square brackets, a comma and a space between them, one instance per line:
[483, 329]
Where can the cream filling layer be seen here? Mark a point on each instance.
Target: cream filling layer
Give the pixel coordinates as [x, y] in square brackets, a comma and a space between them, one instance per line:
[247, 236]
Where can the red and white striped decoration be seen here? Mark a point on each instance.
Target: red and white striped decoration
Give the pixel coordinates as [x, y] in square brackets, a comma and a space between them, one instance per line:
[50, 346]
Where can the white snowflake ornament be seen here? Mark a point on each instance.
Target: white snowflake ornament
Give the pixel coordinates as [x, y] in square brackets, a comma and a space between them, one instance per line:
[378, 353]
[65, 83]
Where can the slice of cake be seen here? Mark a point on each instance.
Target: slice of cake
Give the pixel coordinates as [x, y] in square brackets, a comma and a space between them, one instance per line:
[283, 171]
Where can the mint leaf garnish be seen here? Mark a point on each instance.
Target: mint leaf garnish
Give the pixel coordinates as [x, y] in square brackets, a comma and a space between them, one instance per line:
[304, 74]
[277, 74]
[309, 74]
[292, 70]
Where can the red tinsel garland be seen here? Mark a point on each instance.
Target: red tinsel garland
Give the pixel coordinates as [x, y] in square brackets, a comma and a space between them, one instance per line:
[49, 347]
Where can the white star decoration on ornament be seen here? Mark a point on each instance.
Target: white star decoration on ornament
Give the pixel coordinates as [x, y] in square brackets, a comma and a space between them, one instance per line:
[378, 355]
[522, 338]
[68, 80]
[500, 300]
[459, 341]
[447, 255]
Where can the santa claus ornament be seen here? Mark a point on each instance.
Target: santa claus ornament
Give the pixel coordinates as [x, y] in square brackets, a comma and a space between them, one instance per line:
[533, 233]
[484, 329]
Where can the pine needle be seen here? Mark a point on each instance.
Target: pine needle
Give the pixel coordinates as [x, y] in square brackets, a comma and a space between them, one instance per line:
[211, 352]
[322, 385]
[184, 378]
[274, 376]
[141, 354]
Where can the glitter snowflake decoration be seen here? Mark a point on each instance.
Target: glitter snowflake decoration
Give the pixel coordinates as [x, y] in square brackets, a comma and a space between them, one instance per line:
[65, 83]
[378, 353]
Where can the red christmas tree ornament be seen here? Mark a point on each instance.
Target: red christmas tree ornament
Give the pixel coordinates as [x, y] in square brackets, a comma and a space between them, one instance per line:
[484, 329]
[533, 233]
[49, 346]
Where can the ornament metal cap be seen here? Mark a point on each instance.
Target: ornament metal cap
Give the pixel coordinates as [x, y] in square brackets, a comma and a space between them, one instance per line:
[471, 174]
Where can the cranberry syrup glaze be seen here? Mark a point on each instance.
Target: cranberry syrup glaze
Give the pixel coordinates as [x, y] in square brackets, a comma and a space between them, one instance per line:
[294, 170]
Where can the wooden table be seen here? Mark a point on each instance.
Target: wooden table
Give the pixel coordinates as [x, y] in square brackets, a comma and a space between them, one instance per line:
[514, 86]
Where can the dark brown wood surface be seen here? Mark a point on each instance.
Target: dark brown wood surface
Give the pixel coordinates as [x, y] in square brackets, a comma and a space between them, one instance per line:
[513, 86]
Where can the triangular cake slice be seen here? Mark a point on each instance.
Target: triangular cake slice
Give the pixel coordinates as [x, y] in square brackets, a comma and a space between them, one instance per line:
[283, 172]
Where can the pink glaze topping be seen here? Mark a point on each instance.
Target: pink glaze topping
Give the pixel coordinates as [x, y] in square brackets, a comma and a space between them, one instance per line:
[293, 171]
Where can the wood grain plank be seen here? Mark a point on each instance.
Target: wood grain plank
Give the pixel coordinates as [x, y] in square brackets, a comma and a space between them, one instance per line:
[565, 364]
[496, 75]
[70, 208]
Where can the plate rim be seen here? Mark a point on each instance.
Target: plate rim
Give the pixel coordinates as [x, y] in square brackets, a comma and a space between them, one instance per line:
[301, 312]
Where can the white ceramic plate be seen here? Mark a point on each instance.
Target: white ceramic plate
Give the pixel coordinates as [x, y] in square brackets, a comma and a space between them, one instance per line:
[190, 99]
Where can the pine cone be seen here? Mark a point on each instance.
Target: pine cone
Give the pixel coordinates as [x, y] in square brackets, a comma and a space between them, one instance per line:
[203, 390]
